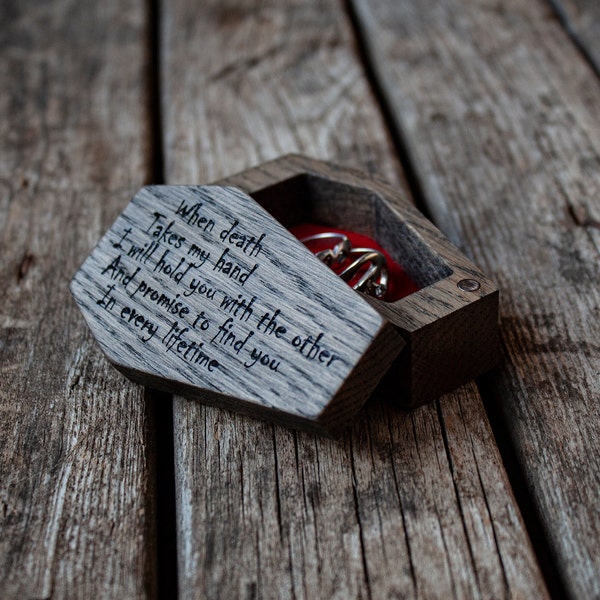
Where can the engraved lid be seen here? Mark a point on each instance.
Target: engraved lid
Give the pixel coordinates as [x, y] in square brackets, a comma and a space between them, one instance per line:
[199, 291]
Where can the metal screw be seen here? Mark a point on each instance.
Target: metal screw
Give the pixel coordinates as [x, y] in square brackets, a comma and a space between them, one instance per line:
[469, 285]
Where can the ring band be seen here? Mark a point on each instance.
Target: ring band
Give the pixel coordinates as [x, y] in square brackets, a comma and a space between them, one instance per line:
[334, 255]
[373, 281]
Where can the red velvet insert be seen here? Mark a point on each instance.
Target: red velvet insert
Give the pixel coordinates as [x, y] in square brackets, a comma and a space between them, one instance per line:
[399, 285]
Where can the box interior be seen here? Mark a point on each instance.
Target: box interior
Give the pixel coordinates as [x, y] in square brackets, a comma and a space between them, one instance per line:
[310, 198]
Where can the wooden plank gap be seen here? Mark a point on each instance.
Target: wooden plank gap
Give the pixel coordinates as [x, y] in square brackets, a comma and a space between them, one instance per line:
[457, 494]
[534, 524]
[361, 534]
[159, 406]
[399, 142]
[278, 487]
[409, 553]
[579, 37]
[154, 109]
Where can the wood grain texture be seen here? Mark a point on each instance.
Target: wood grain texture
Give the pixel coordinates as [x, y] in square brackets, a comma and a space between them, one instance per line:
[499, 111]
[406, 504]
[75, 517]
[262, 337]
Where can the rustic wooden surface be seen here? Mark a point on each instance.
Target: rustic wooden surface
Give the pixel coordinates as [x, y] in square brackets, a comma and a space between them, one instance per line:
[406, 504]
[517, 118]
[492, 108]
[76, 463]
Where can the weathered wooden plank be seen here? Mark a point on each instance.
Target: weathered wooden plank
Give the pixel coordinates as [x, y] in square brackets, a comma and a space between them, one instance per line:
[405, 504]
[581, 18]
[75, 517]
[499, 111]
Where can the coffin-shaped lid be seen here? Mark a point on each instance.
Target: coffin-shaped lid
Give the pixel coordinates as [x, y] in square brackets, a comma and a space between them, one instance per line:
[199, 291]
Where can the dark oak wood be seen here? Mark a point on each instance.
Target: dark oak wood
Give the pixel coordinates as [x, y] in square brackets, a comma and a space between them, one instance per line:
[499, 113]
[405, 504]
[76, 518]
[451, 333]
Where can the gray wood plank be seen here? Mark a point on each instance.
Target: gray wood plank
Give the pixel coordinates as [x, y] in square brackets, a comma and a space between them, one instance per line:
[405, 504]
[75, 512]
[499, 112]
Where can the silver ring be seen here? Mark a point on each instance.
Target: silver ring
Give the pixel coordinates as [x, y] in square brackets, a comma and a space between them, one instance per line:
[334, 255]
[375, 279]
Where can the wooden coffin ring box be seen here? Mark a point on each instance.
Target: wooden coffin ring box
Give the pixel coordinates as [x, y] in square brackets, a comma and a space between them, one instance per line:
[450, 325]
[204, 292]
